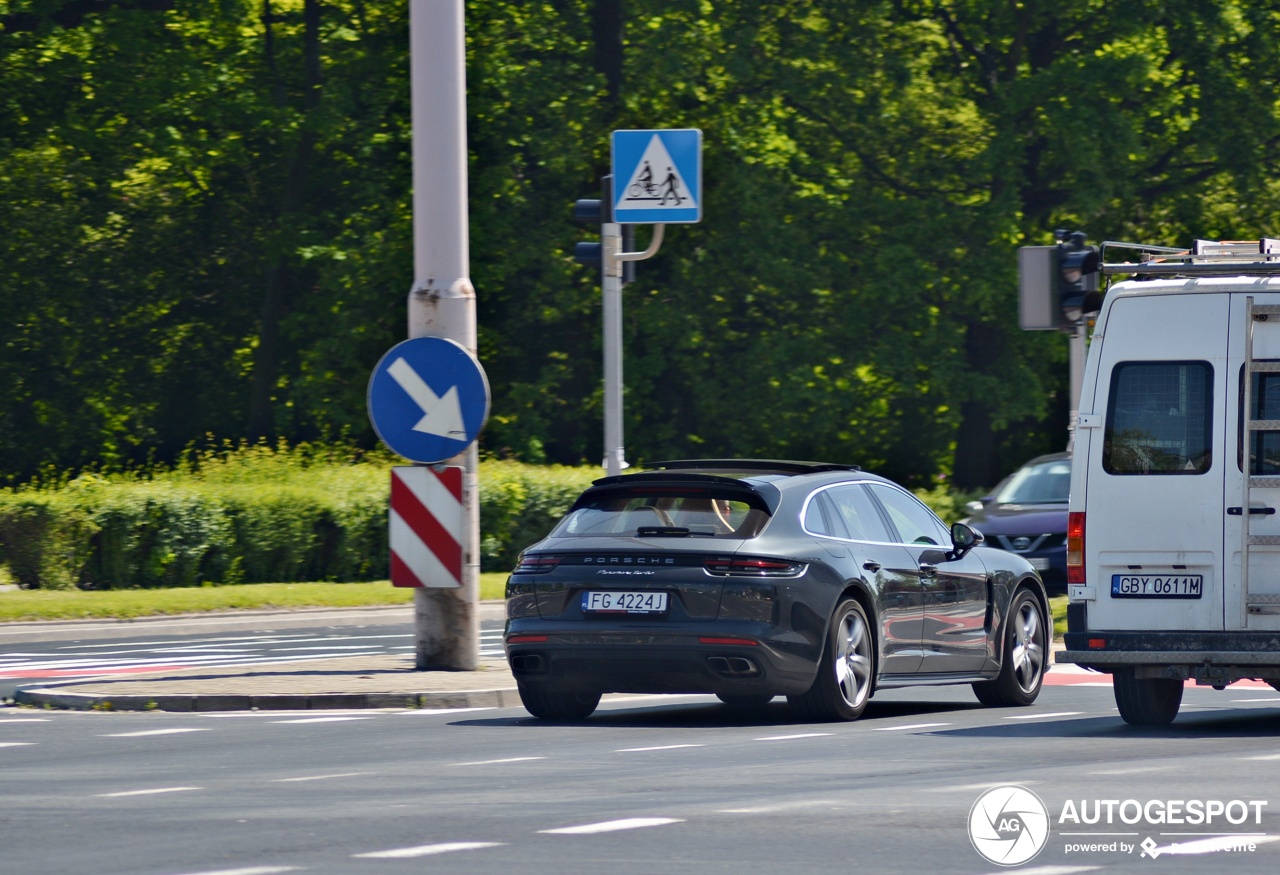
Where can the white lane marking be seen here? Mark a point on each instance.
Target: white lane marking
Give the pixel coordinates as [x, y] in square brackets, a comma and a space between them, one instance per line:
[909, 726]
[1270, 756]
[317, 777]
[1255, 700]
[790, 737]
[432, 712]
[659, 747]
[970, 788]
[1137, 770]
[157, 732]
[254, 870]
[427, 850]
[499, 762]
[667, 697]
[612, 825]
[783, 806]
[16, 743]
[1044, 716]
[33, 720]
[147, 792]
[1057, 870]
[322, 720]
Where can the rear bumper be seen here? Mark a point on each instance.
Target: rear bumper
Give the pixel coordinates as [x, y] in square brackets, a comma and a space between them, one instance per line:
[1214, 658]
[656, 663]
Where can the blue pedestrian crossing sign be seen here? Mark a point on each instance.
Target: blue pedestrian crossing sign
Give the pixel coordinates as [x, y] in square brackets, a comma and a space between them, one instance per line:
[428, 399]
[657, 177]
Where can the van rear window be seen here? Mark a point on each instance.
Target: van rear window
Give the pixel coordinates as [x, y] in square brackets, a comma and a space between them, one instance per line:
[1158, 419]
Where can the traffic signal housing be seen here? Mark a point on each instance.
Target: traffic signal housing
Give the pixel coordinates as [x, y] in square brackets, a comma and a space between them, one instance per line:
[589, 211]
[1077, 277]
[1058, 284]
[593, 211]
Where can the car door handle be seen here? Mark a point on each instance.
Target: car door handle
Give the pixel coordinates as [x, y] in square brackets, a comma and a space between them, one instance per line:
[871, 566]
[927, 570]
[1237, 511]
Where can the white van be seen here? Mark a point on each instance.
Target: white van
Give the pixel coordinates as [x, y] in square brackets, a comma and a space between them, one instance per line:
[1173, 535]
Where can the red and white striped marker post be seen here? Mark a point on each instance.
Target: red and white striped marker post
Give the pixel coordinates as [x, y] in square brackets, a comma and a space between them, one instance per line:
[428, 527]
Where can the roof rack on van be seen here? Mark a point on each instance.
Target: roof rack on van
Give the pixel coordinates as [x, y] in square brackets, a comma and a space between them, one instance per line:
[1205, 258]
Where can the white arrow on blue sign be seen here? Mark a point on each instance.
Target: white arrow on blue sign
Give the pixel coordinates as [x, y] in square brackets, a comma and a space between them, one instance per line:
[428, 399]
[657, 176]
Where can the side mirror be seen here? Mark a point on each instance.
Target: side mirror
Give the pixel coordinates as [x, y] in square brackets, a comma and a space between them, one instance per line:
[963, 539]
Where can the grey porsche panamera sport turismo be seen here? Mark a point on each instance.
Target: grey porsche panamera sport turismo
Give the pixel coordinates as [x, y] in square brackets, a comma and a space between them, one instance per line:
[750, 579]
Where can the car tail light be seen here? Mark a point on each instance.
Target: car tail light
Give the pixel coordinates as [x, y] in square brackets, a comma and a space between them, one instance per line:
[731, 642]
[1075, 547]
[754, 567]
[536, 564]
[526, 639]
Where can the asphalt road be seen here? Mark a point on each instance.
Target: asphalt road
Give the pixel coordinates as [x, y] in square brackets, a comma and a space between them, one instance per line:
[647, 785]
[32, 653]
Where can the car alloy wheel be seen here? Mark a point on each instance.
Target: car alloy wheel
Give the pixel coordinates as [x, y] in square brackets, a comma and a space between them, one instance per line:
[1025, 650]
[843, 685]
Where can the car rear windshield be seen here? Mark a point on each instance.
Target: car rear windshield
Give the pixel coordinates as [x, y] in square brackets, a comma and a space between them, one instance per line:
[663, 514]
[1045, 483]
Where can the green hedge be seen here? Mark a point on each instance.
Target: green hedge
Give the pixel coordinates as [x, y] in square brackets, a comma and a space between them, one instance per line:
[260, 514]
[251, 515]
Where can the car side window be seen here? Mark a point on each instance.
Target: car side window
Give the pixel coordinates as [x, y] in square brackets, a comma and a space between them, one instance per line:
[916, 524]
[860, 513]
[821, 518]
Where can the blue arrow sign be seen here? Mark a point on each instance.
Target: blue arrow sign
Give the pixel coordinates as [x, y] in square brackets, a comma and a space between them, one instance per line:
[428, 399]
[657, 176]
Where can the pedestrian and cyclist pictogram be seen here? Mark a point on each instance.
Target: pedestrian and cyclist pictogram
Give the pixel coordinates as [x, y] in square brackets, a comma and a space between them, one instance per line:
[657, 176]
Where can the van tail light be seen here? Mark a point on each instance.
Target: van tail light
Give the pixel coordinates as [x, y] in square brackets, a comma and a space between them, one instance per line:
[1075, 547]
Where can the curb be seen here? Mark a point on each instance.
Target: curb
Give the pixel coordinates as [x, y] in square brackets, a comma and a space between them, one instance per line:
[52, 698]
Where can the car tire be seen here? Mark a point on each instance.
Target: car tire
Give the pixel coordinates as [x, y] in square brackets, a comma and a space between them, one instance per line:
[846, 671]
[745, 701]
[1146, 701]
[1026, 647]
[556, 705]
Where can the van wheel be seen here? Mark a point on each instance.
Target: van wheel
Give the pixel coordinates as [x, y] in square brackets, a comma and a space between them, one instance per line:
[845, 673]
[1022, 662]
[557, 706]
[1146, 701]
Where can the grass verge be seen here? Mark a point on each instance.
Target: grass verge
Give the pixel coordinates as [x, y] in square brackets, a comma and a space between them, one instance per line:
[1058, 608]
[21, 604]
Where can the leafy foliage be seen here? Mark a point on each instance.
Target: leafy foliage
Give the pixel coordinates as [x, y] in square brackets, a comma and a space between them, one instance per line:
[206, 224]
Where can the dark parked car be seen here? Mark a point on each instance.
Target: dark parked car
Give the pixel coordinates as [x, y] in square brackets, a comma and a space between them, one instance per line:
[1027, 514]
[754, 579]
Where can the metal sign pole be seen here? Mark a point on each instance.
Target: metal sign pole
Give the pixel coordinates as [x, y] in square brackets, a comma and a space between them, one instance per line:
[611, 285]
[442, 301]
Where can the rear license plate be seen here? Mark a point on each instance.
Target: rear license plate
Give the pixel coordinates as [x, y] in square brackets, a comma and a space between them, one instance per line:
[1157, 586]
[624, 602]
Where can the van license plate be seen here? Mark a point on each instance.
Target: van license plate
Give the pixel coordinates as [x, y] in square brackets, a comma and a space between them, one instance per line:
[624, 602]
[1157, 586]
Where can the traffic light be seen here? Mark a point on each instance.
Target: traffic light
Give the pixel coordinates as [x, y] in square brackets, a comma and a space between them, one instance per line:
[588, 210]
[1077, 277]
[597, 210]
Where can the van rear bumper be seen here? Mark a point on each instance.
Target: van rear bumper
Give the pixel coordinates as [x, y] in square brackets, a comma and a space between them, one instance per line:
[1211, 658]
[1132, 647]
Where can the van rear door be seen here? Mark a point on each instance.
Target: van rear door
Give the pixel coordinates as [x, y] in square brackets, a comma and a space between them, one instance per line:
[1154, 510]
[1253, 602]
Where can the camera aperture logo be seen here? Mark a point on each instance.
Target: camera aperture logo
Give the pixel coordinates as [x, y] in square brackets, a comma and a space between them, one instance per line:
[1008, 825]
